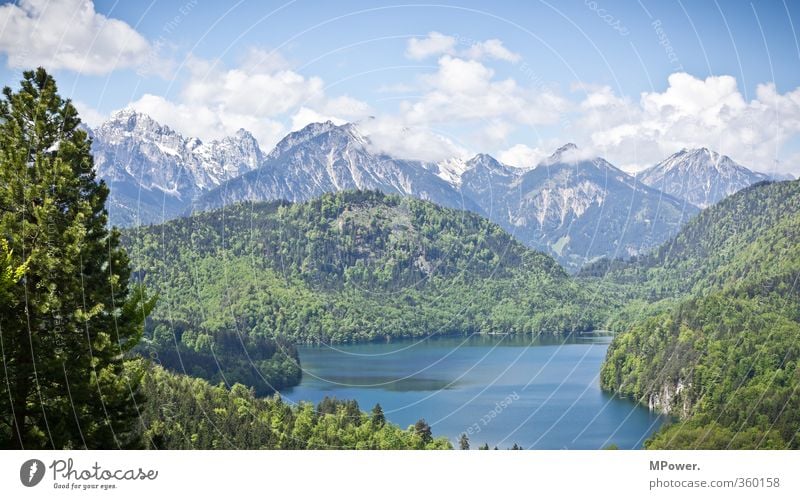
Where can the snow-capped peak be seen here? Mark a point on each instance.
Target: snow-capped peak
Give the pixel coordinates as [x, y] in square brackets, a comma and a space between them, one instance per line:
[132, 145]
[563, 154]
[700, 175]
[451, 170]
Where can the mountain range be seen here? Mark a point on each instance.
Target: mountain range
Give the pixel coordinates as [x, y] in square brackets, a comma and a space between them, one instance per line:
[154, 172]
[575, 207]
[700, 176]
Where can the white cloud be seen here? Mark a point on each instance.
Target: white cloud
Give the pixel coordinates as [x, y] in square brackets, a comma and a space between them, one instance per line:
[464, 94]
[466, 90]
[305, 115]
[434, 44]
[692, 112]
[70, 34]
[437, 44]
[249, 90]
[522, 156]
[89, 115]
[339, 110]
[492, 49]
[206, 122]
[261, 95]
[259, 60]
[392, 136]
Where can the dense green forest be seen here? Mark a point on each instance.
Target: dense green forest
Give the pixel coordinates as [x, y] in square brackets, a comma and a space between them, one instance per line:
[712, 334]
[182, 412]
[345, 267]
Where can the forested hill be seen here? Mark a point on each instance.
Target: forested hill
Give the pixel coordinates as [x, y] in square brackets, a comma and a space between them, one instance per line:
[723, 352]
[364, 238]
[343, 267]
[349, 266]
[749, 235]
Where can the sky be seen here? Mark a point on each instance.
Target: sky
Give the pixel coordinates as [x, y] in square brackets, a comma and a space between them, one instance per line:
[632, 81]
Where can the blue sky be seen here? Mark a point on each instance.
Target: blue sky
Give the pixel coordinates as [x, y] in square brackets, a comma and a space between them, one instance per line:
[631, 80]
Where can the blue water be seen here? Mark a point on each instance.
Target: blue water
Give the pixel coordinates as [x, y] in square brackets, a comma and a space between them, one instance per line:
[540, 394]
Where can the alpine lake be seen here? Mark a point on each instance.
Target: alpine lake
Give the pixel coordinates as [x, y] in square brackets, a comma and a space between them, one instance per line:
[537, 392]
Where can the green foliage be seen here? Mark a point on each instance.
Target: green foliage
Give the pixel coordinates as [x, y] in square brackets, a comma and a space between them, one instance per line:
[693, 434]
[378, 418]
[353, 266]
[68, 314]
[181, 412]
[722, 353]
[423, 431]
[264, 364]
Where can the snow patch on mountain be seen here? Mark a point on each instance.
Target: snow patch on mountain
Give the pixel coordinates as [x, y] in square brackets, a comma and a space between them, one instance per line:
[135, 152]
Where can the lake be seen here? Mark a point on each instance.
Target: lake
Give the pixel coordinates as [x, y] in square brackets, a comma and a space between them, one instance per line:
[539, 393]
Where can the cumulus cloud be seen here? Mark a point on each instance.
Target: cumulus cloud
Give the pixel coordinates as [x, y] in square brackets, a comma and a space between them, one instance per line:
[522, 156]
[89, 115]
[339, 110]
[208, 122]
[258, 59]
[492, 49]
[70, 34]
[437, 44]
[391, 135]
[464, 94]
[467, 90]
[692, 112]
[260, 95]
[434, 44]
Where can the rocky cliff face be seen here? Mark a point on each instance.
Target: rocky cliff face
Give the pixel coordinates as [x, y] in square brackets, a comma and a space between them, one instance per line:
[323, 157]
[671, 398]
[575, 209]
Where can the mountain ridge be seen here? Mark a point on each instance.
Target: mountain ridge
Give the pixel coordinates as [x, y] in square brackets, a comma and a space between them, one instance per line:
[155, 171]
[576, 208]
[700, 176]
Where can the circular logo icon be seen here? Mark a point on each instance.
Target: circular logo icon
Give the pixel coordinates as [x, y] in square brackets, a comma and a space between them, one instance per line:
[31, 472]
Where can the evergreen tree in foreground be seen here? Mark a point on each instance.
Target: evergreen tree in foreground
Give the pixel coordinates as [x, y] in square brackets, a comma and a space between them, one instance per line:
[463, 442]
[67, 312]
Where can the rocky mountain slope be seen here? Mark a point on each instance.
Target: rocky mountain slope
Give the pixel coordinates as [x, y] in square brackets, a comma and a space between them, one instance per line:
[576, 209]
[700, 176]
[154, 172]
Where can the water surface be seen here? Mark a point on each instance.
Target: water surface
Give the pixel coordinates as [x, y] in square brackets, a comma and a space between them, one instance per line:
[501, 390]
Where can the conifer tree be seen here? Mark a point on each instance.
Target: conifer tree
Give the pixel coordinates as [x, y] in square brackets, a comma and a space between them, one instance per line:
[70, 315]
[378, 418]
[423, 430]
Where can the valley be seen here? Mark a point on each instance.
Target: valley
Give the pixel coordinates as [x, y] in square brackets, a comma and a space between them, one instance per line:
[388, 226]
[359, 267]
[568, 305]
[267, 255]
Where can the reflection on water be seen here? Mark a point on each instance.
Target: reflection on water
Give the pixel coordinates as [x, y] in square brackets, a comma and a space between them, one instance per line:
[539, 392]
